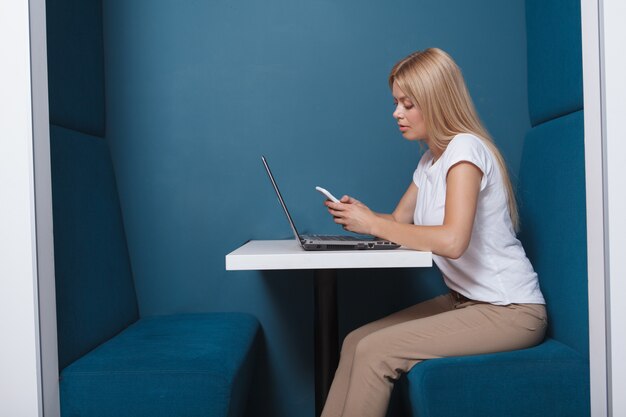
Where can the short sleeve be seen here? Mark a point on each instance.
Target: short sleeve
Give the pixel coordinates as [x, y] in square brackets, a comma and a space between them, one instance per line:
[469, 148]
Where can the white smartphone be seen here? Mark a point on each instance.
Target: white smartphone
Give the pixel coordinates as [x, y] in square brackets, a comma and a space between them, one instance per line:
[327, 194]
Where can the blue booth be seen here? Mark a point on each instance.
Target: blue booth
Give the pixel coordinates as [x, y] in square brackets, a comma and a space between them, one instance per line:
[113, 361]
[189, 59]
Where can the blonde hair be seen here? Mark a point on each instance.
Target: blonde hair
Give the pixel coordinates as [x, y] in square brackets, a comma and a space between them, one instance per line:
[433, 81]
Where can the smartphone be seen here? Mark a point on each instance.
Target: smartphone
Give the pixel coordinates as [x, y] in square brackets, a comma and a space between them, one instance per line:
[327, 194]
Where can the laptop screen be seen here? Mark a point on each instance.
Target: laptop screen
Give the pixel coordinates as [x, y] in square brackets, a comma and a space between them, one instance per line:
[280, 198]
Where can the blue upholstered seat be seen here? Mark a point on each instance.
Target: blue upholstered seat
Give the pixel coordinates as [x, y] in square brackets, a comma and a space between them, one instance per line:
[191, 365]
[551, 379]
[546, 380]
[113, 362]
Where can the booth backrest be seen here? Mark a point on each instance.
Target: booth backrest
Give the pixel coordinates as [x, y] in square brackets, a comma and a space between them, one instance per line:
[555, 81]
[552, 171]
[94, 286]
[553, 228]
[76, 64]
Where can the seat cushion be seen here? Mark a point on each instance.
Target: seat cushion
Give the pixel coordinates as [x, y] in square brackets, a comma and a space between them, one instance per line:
[178, 365]
[547, 380]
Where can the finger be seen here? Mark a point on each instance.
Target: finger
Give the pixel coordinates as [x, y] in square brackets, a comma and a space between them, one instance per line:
[350, 200]
[336, 213]
[335, 206]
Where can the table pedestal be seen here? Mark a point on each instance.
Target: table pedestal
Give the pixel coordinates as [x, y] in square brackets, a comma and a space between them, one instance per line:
[326, 334]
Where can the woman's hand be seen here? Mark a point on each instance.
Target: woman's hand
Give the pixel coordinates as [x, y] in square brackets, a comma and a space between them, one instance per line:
[353, 215]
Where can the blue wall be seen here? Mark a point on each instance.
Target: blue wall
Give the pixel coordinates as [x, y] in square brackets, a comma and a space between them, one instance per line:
[197, 91]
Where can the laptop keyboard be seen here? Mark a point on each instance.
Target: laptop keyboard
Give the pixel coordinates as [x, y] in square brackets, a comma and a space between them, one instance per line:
[334, 238]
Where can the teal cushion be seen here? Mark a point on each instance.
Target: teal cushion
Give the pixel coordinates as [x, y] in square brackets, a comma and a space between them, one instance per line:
[555, 85]
[553, 223]
[94, 284]
[180, 365]
[547, 380]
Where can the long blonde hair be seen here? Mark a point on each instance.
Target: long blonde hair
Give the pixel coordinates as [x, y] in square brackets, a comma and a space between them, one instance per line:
[433, 81]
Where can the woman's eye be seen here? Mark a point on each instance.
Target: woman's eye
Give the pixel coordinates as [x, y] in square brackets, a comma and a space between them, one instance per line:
[408, 106]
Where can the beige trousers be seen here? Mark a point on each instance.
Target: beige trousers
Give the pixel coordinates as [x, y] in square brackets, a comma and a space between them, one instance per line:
[374, 356]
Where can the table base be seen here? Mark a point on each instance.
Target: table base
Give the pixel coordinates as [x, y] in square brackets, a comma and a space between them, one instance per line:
[326, 334]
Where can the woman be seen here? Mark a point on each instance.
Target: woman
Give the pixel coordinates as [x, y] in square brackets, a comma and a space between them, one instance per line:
[461, 207]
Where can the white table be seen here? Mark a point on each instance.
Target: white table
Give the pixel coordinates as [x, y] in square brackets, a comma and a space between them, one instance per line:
[287, 254]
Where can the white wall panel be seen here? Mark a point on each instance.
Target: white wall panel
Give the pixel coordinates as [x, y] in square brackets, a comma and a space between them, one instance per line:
[613, 38]
[26, 254]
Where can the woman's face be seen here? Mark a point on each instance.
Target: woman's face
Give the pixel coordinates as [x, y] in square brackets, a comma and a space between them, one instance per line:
[408, 115]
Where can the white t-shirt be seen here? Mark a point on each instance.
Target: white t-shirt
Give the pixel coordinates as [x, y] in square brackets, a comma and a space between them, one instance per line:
[494, 268]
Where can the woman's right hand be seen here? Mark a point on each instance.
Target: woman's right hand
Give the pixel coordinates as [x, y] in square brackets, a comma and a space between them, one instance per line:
[352, 215]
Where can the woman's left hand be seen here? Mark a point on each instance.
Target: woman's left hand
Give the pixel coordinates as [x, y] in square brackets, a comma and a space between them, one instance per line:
[353, 215]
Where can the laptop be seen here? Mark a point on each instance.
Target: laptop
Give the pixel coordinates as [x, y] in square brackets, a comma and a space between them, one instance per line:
[328, 242]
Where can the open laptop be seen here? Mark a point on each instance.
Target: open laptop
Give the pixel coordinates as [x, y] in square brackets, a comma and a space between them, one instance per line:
[326, 242]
